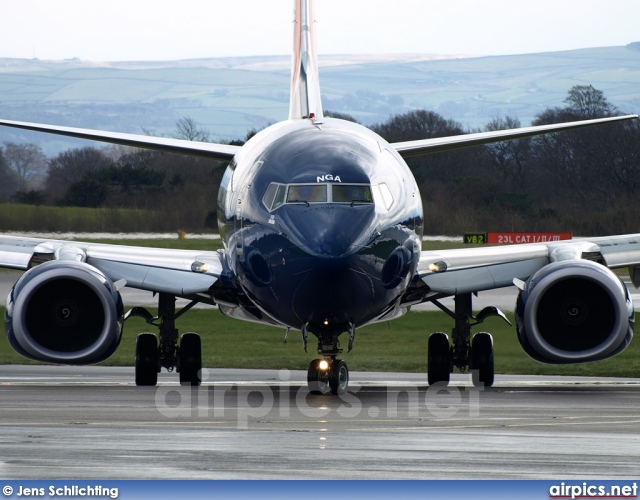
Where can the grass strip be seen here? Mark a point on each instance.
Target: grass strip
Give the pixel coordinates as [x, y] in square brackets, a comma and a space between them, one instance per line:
[398, 346]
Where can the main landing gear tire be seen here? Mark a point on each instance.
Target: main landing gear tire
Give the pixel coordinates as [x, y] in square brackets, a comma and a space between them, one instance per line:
[439, 359]
[317, 378]
[190, 359]
[147, 360]
[481, 366]
[338, 377]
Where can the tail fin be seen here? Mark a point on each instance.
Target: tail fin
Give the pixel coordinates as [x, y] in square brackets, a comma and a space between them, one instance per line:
[305, 85]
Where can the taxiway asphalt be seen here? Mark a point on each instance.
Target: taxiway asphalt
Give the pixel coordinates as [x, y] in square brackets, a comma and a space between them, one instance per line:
[93, 423]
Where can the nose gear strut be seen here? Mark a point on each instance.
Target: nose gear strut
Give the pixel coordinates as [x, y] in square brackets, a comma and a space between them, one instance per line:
[329, 372]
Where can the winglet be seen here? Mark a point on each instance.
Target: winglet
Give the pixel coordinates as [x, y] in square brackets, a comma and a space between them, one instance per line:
[305, 85]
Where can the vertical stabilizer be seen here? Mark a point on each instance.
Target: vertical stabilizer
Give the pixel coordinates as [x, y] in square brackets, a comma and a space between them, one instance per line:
[305, 85]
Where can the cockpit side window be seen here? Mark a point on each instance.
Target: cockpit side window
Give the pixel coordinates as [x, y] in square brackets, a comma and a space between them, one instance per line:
[384, 193]
[279, 200]
[274, 197]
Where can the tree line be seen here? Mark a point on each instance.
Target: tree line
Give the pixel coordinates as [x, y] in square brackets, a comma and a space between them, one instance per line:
[585, 181]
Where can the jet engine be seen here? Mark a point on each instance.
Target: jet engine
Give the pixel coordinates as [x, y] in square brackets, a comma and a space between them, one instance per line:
[572, 312]
[64, 312]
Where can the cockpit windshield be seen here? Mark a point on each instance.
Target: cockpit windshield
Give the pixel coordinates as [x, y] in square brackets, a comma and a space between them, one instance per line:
[279, 194]
[307, 193]
[351, 193]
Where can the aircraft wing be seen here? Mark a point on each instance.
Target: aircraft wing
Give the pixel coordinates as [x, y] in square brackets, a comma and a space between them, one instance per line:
[177, 272]
[458, 271]
[221, 152]
[226, 152]
[439, 144]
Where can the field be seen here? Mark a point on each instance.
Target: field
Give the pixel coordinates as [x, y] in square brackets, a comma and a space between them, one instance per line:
[231, 96]
[400, 345]
[19, 217]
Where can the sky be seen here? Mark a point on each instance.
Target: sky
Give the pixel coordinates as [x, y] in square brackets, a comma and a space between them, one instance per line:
[121, 30]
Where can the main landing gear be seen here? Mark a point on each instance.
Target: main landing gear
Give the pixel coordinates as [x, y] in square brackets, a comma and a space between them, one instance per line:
[465, 353]
[151, 357]
[328, 373]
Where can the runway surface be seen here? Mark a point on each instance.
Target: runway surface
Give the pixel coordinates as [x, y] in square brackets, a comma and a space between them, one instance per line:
[93, 423]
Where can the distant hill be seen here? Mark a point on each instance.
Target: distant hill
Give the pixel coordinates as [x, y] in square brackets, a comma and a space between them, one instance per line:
[230, 95]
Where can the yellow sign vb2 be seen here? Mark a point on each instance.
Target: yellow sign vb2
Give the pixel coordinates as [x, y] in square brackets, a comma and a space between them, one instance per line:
[475, 238]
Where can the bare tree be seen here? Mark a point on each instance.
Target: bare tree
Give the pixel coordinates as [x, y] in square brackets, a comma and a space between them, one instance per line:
[27, 161]
[510, 157]
[188, 129]
[8, 179]
[71, 166]
[116, 151]
[589, 102]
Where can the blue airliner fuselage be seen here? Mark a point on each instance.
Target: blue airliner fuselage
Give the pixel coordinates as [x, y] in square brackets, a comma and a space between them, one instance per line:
[322, 222]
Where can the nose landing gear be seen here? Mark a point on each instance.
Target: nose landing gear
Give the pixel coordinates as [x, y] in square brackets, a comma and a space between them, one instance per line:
[330, 372]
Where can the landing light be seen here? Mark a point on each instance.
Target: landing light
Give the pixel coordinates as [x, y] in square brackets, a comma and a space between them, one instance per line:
[199, 267]
[323, 365]
[326, 322]
[438, 267]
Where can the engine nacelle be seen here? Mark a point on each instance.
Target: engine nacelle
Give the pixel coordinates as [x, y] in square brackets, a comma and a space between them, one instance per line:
[64, 312]
[574, 311]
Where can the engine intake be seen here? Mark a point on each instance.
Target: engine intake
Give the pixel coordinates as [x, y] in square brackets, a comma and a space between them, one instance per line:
[64, 312]
[574, 311]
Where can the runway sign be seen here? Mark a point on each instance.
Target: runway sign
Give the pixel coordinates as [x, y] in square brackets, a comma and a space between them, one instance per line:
[509, 238]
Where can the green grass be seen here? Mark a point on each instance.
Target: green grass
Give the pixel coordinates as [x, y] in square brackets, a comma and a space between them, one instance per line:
[18, 217]
[211, 244]
[400, 346]
[186, 244]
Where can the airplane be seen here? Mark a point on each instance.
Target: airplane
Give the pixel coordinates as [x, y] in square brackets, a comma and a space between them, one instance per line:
[322, 222]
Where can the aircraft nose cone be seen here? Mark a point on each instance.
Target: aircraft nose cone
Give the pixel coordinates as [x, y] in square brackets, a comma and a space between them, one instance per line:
[332, 231]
